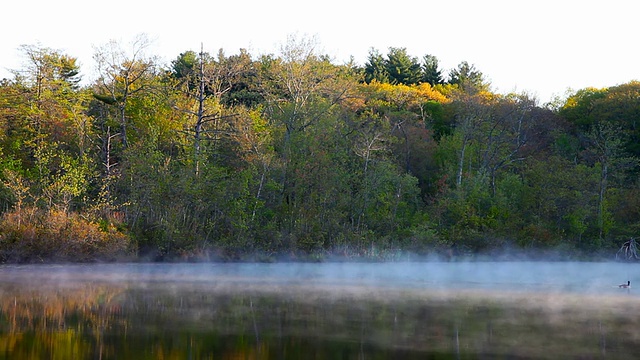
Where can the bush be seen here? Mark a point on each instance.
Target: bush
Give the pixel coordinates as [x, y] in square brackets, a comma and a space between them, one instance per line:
[33, 235]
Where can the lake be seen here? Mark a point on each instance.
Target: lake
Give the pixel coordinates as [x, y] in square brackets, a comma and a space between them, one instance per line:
[341, 310]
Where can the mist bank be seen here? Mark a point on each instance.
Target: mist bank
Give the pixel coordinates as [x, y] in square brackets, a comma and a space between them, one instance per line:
[107, 320]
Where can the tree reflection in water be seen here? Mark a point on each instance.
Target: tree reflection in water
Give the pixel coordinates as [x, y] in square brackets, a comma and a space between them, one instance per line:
[244, 320]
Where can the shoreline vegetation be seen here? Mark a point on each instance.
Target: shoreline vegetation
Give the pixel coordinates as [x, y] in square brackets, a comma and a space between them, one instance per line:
[292, 157]
[59, 238]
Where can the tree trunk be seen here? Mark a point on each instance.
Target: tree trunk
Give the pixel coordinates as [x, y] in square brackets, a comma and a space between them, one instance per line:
[461, 162]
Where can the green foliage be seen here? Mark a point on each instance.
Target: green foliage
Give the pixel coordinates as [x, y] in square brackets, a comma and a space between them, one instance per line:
[467, 77]
[437, 120]
[578, 108]
[184, 65]
[566, 145]
[402, 68]
[296, 156]
[398, 67]
[617, 107]
[376, 68]
[431, 72]
[107, 99]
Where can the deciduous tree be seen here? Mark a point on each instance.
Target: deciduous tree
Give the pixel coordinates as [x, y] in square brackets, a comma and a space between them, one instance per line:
[122, 75]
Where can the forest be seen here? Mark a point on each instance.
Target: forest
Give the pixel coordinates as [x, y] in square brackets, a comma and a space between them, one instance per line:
[265, 157]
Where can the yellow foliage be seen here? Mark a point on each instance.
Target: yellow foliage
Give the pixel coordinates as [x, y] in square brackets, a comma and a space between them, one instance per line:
[400, 95]
[429, 92]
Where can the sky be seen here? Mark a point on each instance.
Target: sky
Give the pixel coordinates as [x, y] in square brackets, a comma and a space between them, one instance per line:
[543, 48]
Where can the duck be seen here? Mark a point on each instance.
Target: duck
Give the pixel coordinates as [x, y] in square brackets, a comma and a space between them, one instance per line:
[625, 286]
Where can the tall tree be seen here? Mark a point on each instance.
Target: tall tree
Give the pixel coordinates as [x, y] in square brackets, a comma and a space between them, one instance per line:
[300, 86]
[402, 68]
[205, 81]
[431, 72]
[48, 67]
[606, 122]
[376, 67]
[607, 146]
[122, 75]
[468, 77]
[51, 78]
[301, 90]
[243, 79]
[49, 126]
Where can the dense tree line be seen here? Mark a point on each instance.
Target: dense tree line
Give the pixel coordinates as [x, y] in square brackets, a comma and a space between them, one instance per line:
[290, 154]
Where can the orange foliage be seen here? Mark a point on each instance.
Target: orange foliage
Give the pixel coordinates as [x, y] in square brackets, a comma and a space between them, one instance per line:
[29, 235]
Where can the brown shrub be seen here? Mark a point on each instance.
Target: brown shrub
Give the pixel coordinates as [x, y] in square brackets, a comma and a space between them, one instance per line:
[32, 235]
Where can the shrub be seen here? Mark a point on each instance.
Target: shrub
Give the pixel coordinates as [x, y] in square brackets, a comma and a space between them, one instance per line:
[33, 235]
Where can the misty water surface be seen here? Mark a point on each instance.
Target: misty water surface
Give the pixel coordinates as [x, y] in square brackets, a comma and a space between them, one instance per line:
[411, 310]
[580, 277]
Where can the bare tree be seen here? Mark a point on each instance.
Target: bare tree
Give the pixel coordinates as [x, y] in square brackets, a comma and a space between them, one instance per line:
[121, 75]
[628, 251]
[292, 83]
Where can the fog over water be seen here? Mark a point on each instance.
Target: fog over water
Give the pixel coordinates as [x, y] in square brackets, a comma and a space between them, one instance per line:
[535, 276]
[350, 310]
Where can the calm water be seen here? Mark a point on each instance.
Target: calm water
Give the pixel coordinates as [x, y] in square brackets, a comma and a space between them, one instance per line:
[411, 310]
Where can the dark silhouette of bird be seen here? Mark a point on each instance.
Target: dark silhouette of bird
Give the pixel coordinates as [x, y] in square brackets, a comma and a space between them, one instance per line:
[625, 286]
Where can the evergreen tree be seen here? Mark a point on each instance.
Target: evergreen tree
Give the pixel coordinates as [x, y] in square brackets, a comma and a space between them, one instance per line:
[431, 72]
[376, 68]
[467, 76]
[402, 68]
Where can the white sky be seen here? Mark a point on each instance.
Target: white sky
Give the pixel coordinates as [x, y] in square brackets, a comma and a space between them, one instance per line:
[542, 47]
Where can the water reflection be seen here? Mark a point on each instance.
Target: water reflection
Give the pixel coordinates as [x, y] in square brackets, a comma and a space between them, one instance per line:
[319, 311]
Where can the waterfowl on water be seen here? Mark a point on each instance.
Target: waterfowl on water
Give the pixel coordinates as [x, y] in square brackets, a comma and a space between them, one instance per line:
[625, 286]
